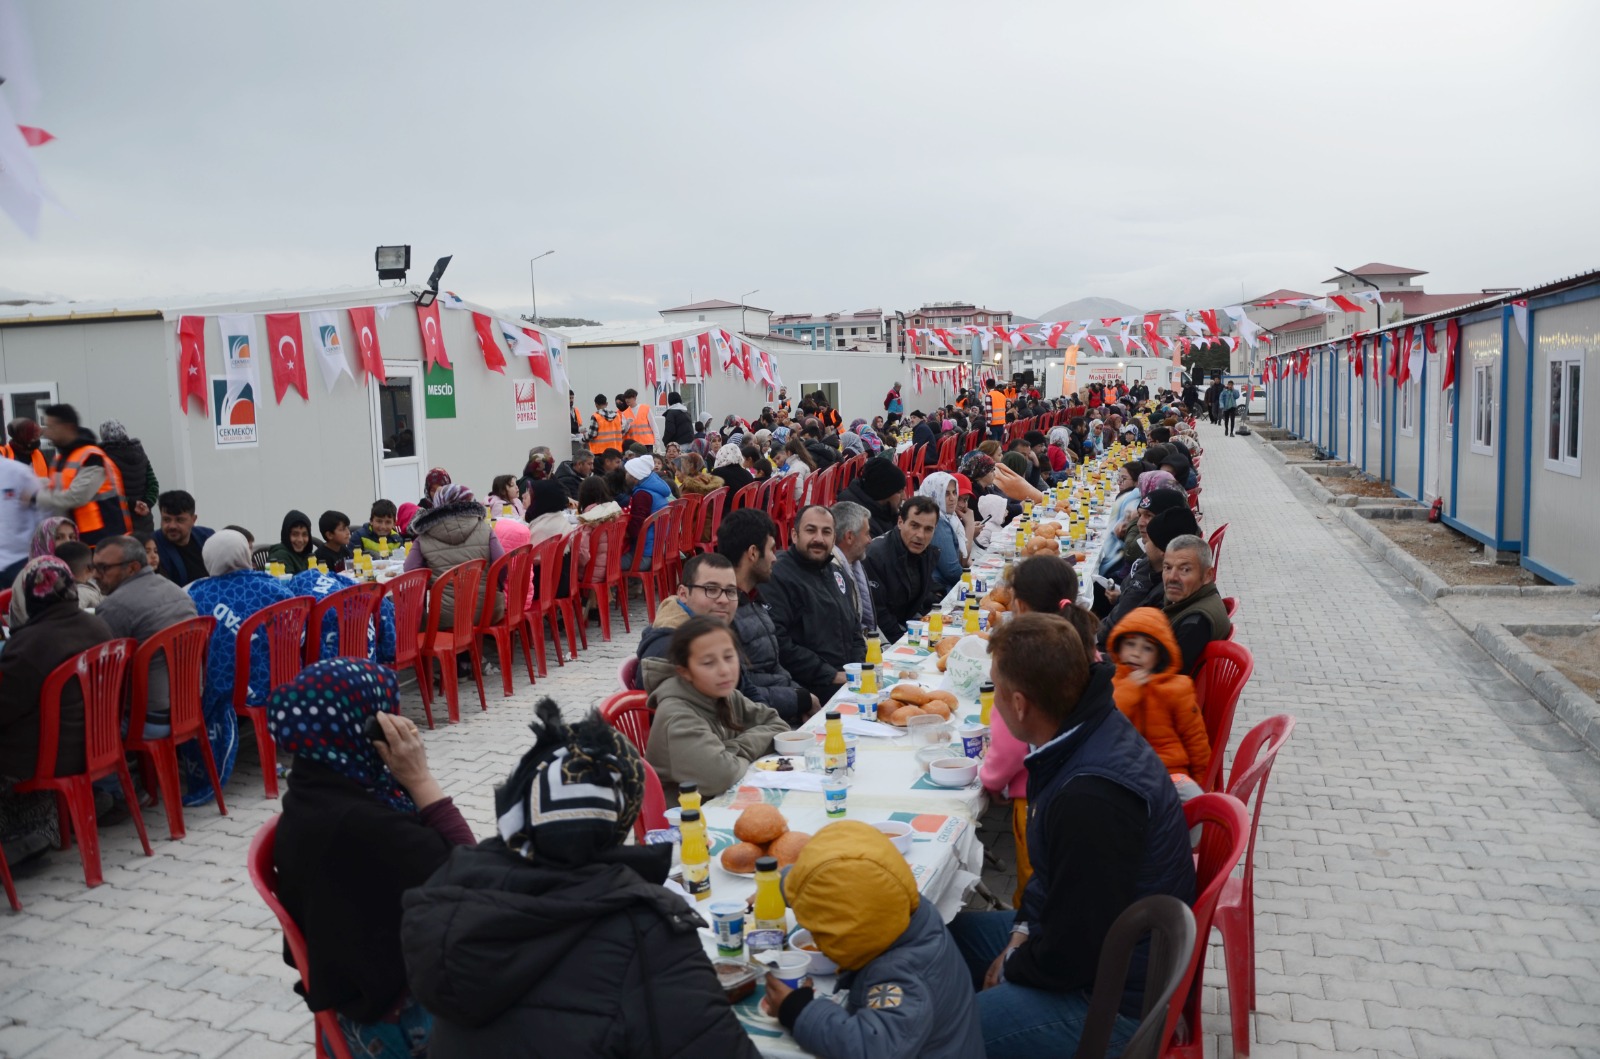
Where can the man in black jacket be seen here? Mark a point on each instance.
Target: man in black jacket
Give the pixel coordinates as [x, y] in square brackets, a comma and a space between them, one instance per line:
[879, 488]
[921, 432]
[1097, 795]
[899, 567]
[813, 608]
[571, 473]
[748, 539]
[676, 426]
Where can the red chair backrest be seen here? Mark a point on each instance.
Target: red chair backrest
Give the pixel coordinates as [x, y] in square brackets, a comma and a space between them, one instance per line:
[783, 499]
[354, 609]
[746, 497]
[627, 712]
[653, 812]
[611, 533]
[548, 557]
[1247, 780]
[283, 626]
[184, 644]
[1216, 538]
[409, 594]
[711, 509]
[1224, 833]
[688, 535]
[5, 608]
[1230, 606]
[100, 672]
[947, 453]
[1194, 498]
[462, 583]
[1225, 668]
[655, 532]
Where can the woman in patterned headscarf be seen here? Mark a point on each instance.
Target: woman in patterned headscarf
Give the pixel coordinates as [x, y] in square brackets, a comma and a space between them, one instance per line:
[559, 932]
[46, 536]
[363, 821]
[55, 630]
[436, 480]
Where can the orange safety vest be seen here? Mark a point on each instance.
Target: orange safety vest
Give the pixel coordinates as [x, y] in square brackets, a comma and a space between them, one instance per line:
[108, 505]
[997, 408]
[832, 418]
[40, 467]
[607, 432]
[640, 429]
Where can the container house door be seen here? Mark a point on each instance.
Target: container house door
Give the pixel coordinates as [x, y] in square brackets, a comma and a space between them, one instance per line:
[1434, 429]
[400, 452]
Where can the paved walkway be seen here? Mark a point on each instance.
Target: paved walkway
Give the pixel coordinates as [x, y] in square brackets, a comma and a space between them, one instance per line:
[1428, 883]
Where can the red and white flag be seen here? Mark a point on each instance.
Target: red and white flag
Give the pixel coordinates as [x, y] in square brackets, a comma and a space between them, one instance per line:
[680, 370]
[744, 362]
[432, 337]
[1519, 316]
[1056, 331]
[286, 351]
[1452, 342]
[1347, 305]
[192, 362]
[1152, 331]
[493, 359]
[703, 343]
[649, 351]
[364, 323]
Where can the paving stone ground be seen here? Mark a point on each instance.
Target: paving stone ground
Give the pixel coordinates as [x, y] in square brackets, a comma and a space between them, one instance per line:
[1428, 878]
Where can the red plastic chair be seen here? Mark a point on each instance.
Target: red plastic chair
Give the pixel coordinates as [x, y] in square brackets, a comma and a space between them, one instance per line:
[946, 460]
[1236, 908]
[607, 584]
[1194, 503]
[647, 568]
[264, 877]
[442, 646]
[517, 566]
[284, 626]
[1216, 541]
[409, 594]
[549, 559]
[712, 506]
[184, 645]
[628, 713]
[1224, 669]
[784, 506]
[672, 559]
[11, 887]
[688, 538]
[746, 497]
[1230, 606]
[653, 811]
[627, 671]
[5, 610]
[354, 609]
[101, 673]
[571, 603]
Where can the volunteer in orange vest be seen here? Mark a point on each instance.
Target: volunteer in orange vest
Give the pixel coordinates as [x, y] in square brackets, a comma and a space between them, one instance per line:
[84, 483]
[828, 414]
[638, 430]
[997, 412]
[605, 427]
[24, 447]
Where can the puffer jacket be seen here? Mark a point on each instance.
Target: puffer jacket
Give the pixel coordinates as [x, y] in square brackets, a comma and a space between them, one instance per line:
[933, 1013]
[881, 518]
[903, 585]
[657, 637]
[690, 744]
[1141, 588]
[660, 494]
[533, 960]
[761, 666]
[1163, 707]
[449, 536]
[813, 610]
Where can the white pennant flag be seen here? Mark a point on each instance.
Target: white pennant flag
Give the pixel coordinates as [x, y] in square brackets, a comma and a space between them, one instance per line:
[238, 349]
[331, 357]
[518, 340]
[1248, 329]
[557, 348]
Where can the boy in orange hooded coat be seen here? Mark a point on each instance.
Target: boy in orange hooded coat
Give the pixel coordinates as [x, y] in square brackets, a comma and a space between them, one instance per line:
[1152, 692]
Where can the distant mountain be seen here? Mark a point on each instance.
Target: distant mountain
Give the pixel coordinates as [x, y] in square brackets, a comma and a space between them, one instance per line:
[1091, 308]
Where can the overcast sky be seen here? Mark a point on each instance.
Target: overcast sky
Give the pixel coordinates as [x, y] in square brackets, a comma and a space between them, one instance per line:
[832, 155]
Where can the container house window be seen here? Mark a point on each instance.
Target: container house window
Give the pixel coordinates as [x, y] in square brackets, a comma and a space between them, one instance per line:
[1407, 410]
[1564, 419]
[1483, 409]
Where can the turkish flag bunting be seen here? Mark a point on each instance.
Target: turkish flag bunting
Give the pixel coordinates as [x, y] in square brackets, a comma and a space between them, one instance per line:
[287, 354]
[649, 351]
[680, 370]
[1344, 303]
[1056, 331]
[704, 342]
[744, 360]
[539, 358]
[1152, 331]
[1452, 341]
[1385, 343]
[192, 362]
[944, 340]
[34, 137]
[364, 323]
[1209, 317]
[1428, 338]
[1402, 372]
[432, 337]
[493, 359]
[1358, 358]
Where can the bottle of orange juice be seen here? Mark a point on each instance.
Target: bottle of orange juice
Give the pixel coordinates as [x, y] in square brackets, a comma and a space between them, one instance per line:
[696, 858]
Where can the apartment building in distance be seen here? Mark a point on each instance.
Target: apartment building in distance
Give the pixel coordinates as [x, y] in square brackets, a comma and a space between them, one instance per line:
[950, 315]
[864, 330]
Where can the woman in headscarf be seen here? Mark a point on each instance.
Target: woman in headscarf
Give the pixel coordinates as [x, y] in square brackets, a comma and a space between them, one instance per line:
[139, 483]
[871, 442]
[231, 591]
[436, 480]
[851, 445]
[729, 466]
[557, 930]
[404, 517]
[363, 821]
[949, 535]
[55, 629]
[450, 533]
[294, 548]
[47, 535]
[692, 475]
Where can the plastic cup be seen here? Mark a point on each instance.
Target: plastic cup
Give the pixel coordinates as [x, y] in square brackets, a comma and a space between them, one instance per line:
[791, 968]
[850, 742]
[834, 790]
[973, 737]
[727, 919]
[852, 673]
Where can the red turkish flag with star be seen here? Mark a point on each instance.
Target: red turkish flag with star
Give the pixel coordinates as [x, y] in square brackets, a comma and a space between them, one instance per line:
[704, 342]
[493, 359]
[363, 321]
[679, 368]
[432, 337]
[287, 354]
[192, 362]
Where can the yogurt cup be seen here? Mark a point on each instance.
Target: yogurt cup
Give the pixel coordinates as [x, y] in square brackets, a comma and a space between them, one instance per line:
[852, 673]
[973, 739]
[727, 919]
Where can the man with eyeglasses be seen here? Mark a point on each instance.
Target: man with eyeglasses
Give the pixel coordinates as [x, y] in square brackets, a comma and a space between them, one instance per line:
[140, 603]
[709, 588]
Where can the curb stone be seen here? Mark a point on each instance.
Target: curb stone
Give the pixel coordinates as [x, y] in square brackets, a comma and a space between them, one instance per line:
[1564, 698]
[1430, 584]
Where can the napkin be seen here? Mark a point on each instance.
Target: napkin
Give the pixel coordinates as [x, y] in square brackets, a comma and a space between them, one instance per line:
[783, 781]
[872, 729]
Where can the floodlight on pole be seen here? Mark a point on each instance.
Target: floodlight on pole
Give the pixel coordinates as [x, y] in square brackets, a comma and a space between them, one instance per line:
[392, 262]
[533, 287]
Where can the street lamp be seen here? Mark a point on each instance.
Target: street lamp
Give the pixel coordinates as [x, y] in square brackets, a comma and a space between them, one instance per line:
[533, 287]
[742, 297]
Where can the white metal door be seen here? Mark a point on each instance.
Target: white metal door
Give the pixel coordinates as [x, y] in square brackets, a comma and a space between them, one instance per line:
[1435, 429]
[400, 452]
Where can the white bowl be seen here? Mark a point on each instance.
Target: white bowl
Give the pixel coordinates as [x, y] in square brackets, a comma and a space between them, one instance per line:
[820, 964]
[899, 833]
[929, 728]
[793, 744]
[953, 771]
[925, 756]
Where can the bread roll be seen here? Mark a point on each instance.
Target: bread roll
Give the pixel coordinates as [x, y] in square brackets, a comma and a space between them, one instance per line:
[905, 713]
[934, 706]
[741, 857]
[788, 847]
[911, 693]
[946, 697]
[760, 824]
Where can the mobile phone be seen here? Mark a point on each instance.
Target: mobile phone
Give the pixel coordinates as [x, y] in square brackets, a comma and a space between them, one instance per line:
[373, 730]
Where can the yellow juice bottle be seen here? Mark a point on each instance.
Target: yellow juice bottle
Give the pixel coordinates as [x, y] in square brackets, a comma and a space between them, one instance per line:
[689, 797]
[936, 624]
[869, 679]
[874, 647]
[835, 755]
[985, 702]
[770, 911]
[695, 856]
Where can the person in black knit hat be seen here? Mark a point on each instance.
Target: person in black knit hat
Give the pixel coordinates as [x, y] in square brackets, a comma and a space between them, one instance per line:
[879, 488]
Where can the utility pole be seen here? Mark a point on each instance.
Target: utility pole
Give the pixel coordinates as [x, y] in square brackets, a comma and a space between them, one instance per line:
[534, 287]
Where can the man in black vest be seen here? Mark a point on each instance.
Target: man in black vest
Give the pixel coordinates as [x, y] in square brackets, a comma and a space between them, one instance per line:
[1105, 828]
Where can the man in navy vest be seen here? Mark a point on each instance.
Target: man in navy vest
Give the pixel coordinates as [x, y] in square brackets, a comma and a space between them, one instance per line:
[1105, 828]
